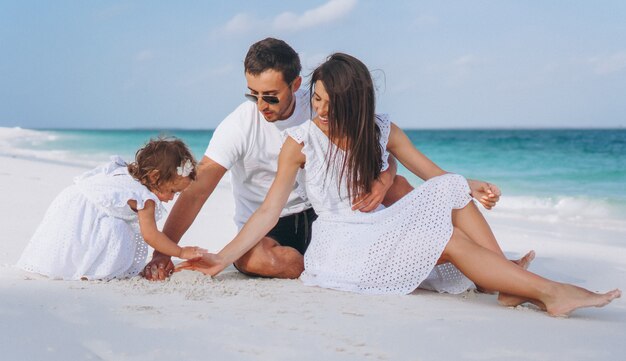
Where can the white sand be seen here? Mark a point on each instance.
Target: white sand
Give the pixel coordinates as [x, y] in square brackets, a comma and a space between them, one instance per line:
[233, 317]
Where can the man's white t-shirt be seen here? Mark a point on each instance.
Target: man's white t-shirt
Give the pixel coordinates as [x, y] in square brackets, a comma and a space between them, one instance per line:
[248, 145]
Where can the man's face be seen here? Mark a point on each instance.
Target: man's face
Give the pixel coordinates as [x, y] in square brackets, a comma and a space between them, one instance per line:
[271, 82]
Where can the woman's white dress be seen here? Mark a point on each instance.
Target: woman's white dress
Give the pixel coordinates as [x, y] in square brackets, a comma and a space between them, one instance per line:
[391, 251]
[89, 231]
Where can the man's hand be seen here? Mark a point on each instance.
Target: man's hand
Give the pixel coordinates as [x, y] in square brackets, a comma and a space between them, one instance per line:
[370, 201]
[486, 193]
[159, 268]
[210, 264]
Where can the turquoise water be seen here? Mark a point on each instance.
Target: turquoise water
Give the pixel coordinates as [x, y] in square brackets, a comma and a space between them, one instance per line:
[562, 172]
[538, 162]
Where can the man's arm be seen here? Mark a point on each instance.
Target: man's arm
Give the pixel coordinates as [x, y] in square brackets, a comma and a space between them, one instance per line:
[262, 220]
[184, 212]
[370, 201]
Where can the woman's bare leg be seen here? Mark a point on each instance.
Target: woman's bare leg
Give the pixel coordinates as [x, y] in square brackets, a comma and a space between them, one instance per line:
[508, 300]
[473, 223]
[469, 220]
[399, 188]
[483, 266]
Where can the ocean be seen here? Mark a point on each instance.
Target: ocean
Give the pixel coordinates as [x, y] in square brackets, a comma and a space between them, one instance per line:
[548, 175]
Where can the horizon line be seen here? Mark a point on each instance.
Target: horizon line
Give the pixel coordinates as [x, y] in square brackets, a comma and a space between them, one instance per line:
[621, 127]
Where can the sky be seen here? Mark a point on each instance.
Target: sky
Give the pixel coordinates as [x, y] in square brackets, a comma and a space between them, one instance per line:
[436, 64]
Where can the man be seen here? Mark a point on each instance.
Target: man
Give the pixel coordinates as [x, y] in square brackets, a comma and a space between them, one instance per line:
[247, 142]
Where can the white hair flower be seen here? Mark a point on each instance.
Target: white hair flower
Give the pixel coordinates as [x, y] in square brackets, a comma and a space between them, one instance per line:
[185, 168]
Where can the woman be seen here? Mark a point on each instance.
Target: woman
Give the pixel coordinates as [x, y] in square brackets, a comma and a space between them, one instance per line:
[434, 236]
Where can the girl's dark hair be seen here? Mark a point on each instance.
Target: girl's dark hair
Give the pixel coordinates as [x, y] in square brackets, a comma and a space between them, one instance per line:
[273, 54]
[351, 120]
[163, 155]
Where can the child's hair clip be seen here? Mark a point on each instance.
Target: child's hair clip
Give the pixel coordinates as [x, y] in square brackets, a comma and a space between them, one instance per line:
[185, 168]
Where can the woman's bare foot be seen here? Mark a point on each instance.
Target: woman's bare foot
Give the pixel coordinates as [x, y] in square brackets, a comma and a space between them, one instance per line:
[508, 300]
[523, 262]
[569, 298]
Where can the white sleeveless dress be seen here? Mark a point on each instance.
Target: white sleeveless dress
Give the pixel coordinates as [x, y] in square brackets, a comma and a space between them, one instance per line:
[89, 231]
[391, 251]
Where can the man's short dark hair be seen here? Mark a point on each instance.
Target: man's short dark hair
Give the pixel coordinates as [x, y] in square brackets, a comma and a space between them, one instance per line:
[273, 54]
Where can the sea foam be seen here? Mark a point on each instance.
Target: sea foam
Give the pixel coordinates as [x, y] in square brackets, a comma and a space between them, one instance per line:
[564, 209]
[38, 145]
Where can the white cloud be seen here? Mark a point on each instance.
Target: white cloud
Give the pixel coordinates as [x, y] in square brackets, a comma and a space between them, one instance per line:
[206, 75]
[464, 66]
[458, 71]
[465, 61]
[289, 21]
[604, 65]
[331, 11]
[143, 56]
[240, 23]
[113, 11]
[311, 61]
[425, 20]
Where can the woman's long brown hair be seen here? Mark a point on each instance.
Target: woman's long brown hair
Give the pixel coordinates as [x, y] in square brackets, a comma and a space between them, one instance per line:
[351, 120]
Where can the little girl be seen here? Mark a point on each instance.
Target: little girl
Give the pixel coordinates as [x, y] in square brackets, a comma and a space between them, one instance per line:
[98, 227]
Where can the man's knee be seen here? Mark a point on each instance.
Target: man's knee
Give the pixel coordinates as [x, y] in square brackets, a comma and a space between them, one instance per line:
[255, 262]
[269, 259]
[458, 244]
[400, 188]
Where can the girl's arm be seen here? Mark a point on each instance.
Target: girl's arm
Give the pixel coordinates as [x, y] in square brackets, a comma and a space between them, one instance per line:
[403, 149]
[263, 219]
[157, 239]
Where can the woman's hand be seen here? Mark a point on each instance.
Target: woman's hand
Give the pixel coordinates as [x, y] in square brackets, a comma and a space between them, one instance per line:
[210, 264]
[192, 252]
[486, 193]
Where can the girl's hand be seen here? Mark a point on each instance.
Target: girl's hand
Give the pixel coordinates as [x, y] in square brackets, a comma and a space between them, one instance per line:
[486, 193]
[210, 264]
[192, 252]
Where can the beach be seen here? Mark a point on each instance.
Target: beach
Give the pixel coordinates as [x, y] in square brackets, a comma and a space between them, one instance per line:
[521, 95]
[234, 317]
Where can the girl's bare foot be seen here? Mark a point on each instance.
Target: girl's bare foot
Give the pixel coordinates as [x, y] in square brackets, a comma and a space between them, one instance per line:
[569, 298]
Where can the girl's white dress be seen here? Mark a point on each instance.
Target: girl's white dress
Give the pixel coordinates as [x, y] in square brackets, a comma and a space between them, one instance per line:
[393, 250]
[89, 231]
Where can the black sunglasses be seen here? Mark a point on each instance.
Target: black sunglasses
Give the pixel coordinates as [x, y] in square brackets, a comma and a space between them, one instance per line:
[269, 99]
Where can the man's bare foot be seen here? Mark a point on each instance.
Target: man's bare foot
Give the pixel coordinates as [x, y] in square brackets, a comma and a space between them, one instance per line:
[570, 298]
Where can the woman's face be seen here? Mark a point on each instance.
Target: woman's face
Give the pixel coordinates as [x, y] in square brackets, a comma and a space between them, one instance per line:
[320, 102]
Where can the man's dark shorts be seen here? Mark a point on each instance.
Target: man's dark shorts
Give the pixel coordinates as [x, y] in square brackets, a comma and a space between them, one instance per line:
[294, 230]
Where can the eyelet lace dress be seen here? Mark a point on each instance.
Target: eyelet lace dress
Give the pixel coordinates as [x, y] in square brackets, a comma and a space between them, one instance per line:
[390, 251]
[89, 231]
